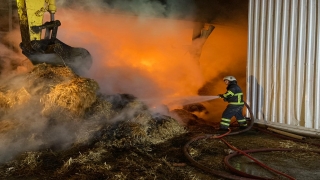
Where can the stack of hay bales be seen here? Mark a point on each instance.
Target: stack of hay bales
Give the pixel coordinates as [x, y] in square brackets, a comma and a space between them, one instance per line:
[81, 116]
[63, 96]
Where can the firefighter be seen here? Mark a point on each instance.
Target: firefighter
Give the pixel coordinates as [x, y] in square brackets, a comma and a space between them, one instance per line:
[234, 97]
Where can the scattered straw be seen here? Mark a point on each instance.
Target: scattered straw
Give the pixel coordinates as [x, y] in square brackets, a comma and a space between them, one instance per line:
[7, 125]
[74, 96]
[100, 109]
[58, 73]
[18, 97]
[4, 102]
[165, 129]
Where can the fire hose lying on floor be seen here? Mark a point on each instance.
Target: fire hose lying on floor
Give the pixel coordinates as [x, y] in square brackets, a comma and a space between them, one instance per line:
[240, 175]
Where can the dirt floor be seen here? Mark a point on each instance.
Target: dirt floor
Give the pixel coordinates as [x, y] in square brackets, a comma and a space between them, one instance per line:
[102, 159]
[299, 160]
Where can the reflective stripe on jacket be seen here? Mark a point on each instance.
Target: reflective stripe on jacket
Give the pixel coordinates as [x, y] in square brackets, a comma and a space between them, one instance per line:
[234, 94]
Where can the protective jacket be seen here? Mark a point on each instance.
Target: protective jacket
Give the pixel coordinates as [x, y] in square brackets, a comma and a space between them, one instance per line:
[234, 94]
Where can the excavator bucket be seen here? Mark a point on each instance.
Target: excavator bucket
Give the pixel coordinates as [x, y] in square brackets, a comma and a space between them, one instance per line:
[48, 49]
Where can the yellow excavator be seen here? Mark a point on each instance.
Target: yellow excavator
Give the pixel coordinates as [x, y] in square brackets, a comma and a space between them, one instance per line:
[47, 48]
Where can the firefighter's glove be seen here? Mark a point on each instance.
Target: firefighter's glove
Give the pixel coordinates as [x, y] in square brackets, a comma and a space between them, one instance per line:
[221, 95]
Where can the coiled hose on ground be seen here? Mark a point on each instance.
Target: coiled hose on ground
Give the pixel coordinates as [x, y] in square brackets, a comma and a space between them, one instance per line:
[242, 175]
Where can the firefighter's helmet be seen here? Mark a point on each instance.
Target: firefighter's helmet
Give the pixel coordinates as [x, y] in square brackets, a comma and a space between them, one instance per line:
[230, 78]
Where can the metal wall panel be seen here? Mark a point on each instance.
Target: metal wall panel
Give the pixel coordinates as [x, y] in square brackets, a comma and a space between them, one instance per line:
[283, 66]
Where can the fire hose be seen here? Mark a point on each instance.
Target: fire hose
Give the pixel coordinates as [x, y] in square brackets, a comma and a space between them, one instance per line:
[243, 176]
[231, 168]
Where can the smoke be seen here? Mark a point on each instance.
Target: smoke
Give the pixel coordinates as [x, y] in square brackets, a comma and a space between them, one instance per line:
[133, 49]
[23, 126]
[140, 47]
[12, 61]
[144, 8]
[148, 53]
[224, 54]
[135, 52]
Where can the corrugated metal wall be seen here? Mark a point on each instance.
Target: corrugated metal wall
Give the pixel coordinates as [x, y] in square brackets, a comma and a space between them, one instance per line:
[283, 67]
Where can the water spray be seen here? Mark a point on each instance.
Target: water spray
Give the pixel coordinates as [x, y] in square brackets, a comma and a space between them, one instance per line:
[182, 100]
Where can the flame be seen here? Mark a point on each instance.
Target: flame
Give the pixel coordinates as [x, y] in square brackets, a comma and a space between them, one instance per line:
[151, 57]
[146, 57]
[225, 53]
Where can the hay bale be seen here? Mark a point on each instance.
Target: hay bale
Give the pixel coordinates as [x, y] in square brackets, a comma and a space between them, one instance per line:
[57, 73]
[4, 102]
[134, 130]
[97, 117]
[17, 97]
[74, 96]
[140, 126]
[164, 128]
[63, 93]
[7, 126]
[184, 116]
[11, 98]
[100, 109]
[43, 77]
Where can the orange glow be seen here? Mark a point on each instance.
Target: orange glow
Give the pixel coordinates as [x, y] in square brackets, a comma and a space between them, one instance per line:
[225, 52]
[151, 57]
[131, 52]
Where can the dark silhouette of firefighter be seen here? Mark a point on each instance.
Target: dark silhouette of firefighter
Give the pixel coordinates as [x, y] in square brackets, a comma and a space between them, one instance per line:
[234, 97]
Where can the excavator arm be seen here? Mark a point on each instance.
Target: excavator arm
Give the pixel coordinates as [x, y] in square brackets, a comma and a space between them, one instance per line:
[47, 49]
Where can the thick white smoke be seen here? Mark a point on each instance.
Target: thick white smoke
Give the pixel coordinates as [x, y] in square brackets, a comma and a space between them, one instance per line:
[105, 29]
[139, 47]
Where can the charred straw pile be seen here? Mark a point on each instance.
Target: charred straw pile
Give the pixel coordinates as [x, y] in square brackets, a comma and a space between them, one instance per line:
[84, 134]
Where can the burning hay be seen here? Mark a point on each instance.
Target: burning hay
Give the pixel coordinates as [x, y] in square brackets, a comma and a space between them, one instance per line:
[10, 99]
[100, 109]
[44, 77]
[60, 113]
[60, 91]
[144, 129]
[6, 126]
[133, 124]
[113, 137]
[52, 73]
[3, 101]
[63, 92]
[74, 97]
[18, 97]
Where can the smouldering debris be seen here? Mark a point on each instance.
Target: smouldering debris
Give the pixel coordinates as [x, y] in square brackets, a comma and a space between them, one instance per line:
[69, 114]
